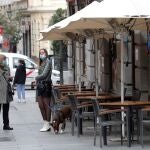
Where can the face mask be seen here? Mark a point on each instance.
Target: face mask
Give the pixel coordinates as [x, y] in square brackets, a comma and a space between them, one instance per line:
[42, 57]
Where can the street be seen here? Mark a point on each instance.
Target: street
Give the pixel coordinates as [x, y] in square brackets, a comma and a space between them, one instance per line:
[26, 120]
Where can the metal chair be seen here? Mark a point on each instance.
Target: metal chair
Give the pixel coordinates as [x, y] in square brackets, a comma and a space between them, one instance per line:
[142, 122]
[135, 113]
[136, 95]
[56, 102]
[99, 115]
[78, 113]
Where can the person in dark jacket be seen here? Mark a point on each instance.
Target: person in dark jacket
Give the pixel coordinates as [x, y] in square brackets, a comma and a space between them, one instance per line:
[19, 80]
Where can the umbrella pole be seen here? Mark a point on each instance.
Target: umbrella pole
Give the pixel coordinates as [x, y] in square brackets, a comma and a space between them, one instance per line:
[96, 67]
[122, 78]
[80, 47]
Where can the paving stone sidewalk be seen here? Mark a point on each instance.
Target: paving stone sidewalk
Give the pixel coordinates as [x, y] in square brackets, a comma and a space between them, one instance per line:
[26, 120]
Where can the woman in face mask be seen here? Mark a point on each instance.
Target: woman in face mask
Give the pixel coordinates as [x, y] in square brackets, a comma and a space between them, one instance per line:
[44, 88]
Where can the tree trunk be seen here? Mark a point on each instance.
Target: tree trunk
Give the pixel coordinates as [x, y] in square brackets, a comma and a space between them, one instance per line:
[13, 48]
[61, 62]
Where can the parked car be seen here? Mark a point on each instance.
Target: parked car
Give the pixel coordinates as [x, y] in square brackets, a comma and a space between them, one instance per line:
[31, 68]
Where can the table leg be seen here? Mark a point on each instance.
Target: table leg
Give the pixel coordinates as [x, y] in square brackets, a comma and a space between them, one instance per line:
[80, 127]
[104, 130]
[138, 123]
[128, 126]
[105, 135]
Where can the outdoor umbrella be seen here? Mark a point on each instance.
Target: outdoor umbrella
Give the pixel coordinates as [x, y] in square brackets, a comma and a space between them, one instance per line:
[116, 15]
[102, 15]
[52, 33]
[53, 36]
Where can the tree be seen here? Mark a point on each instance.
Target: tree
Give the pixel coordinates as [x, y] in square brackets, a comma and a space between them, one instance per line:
[11, 28]
[59, 47]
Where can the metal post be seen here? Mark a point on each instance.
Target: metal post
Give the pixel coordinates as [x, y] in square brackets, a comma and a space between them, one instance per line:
[80, 47]
[122, 78]
[96, 66]
[61, 62]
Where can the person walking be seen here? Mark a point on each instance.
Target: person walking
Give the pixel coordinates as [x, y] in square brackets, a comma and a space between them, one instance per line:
[4, 98]
[19, 80]
[43, 81]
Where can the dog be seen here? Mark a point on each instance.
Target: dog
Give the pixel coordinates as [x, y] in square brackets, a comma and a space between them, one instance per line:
[59, 117]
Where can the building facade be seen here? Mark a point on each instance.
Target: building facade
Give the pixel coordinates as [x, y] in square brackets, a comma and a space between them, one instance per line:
[35, 16]
[41, 12]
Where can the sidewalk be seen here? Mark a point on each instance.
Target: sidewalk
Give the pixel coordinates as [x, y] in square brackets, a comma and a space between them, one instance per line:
[26, 121]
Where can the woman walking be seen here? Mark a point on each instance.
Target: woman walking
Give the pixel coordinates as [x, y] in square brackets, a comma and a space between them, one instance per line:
[4, 95]
[19, 80]
[44, 88]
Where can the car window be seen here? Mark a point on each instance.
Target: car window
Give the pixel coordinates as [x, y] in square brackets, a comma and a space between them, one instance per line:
[28, 64]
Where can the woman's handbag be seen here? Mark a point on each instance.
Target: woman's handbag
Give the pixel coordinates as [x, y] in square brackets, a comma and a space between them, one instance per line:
[10, 91]
[41, 86]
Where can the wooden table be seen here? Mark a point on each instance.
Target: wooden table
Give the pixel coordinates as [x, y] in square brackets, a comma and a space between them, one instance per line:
[129, 105]
[73, 91]
[101, 98]
[85, 93]
[65, 85]
[126, 103]
[88, 93]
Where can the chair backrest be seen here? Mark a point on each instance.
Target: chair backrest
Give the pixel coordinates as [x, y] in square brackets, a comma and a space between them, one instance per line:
[95, 106]
[125, 91]
[136, 95]
[57, 92]
[73, 101]
[53, 104]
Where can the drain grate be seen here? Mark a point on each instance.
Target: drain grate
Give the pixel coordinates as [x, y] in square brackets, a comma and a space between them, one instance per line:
[6, 139]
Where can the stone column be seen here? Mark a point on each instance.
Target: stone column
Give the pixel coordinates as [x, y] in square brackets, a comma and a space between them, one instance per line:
[89, 50]
[105, 66]
[141, 64]
[70, 73]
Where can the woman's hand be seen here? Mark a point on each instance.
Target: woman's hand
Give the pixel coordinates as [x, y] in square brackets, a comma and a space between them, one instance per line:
[10, 79]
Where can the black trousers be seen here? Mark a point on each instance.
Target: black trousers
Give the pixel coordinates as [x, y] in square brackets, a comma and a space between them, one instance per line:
[5, 113]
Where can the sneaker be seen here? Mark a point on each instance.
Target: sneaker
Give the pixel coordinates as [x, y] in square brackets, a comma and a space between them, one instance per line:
[23, 100]
[46, 127]
[19, 100]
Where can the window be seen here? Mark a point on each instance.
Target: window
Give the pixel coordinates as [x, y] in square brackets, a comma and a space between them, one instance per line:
[28, 64]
